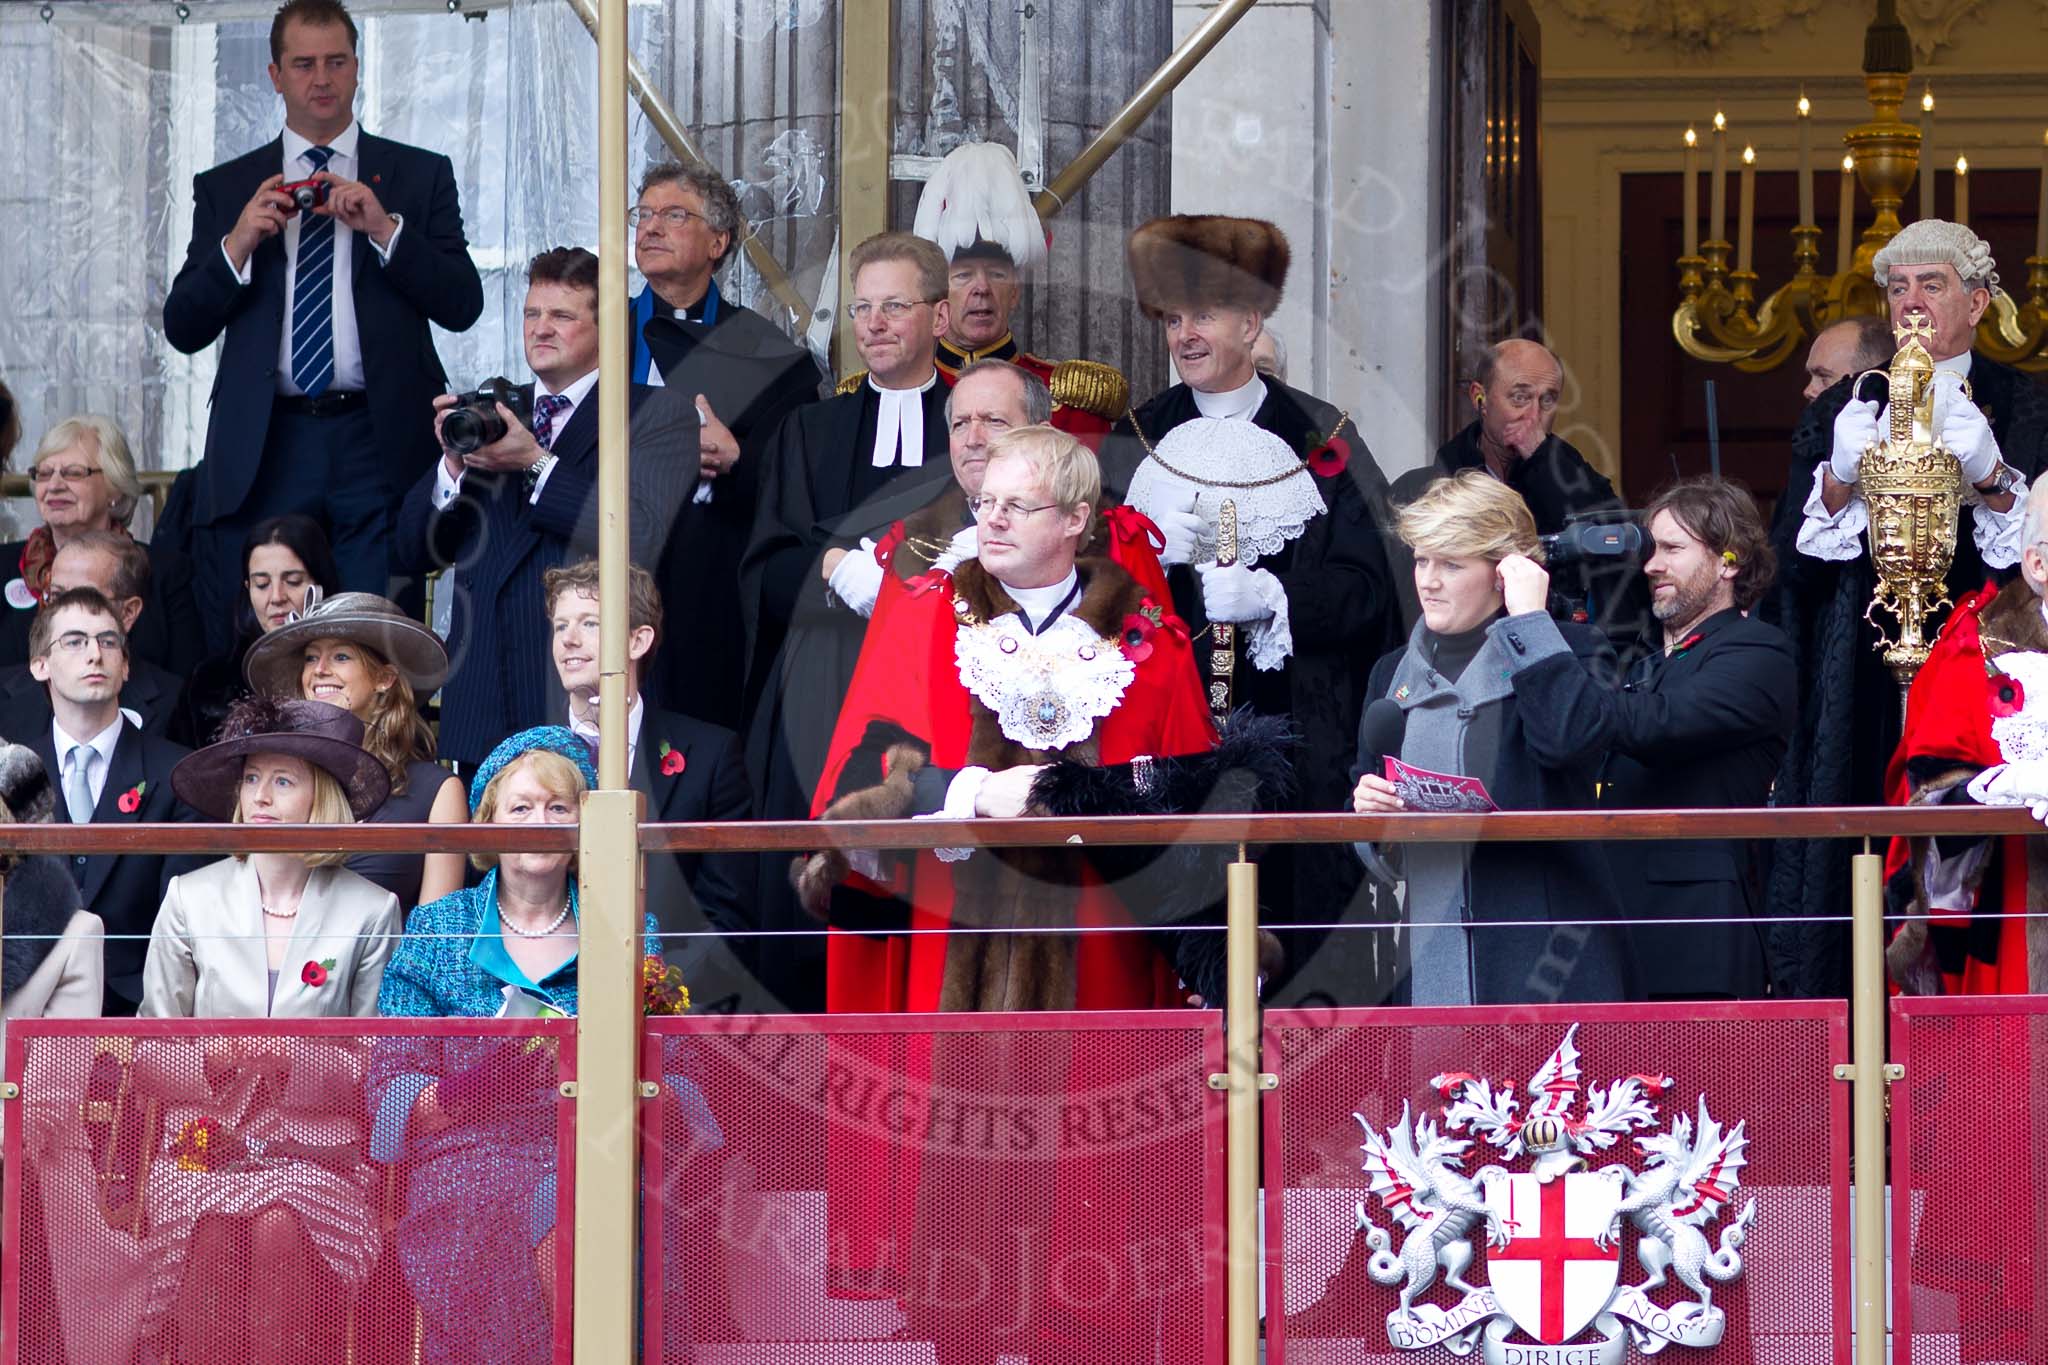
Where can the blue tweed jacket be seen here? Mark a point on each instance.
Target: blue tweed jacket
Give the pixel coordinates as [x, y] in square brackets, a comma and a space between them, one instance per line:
[452, 961]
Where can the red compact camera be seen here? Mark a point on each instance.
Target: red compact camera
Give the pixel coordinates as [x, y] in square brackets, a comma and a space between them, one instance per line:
[306, 194]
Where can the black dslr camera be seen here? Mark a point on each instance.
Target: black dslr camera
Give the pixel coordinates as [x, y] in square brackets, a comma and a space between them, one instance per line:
[474, 421]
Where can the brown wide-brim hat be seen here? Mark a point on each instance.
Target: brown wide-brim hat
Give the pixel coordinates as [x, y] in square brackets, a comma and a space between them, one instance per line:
[327, 737]
[274, 662]
[1187, 260]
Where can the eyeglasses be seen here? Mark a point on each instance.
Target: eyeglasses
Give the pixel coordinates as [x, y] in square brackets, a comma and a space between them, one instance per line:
[75, 641]
[675, 218]
[71, 473]
[1010, 509]
[895, 310]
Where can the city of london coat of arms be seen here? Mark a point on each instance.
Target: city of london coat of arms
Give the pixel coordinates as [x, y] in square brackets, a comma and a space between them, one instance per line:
[1554, 1232]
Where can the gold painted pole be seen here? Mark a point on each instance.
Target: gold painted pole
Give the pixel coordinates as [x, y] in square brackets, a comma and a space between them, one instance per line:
[1241, 1041]
[608, 854]
[1867, 1014]
[866, 134]
[1139, 107]
[680, 142]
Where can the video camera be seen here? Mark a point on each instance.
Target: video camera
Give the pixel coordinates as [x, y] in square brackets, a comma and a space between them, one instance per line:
[474, 421]
[1592, 540]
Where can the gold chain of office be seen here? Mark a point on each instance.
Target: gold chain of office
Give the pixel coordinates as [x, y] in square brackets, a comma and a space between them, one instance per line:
[1131, 416]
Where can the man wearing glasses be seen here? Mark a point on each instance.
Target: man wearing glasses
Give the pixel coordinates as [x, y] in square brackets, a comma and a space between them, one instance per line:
[105, 771]
[744, 376]
[836, 473]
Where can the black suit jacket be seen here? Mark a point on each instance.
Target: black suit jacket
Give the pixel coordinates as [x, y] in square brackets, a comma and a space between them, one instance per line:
[151, 693]
[124, 889]
[691, 890]
[753, 377]
[1702, 727]
[168, 632]
[429, 278]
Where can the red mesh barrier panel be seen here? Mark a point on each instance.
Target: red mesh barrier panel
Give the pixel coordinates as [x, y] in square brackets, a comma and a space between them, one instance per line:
[360, 1192]
[934, 1190]
[1768, 1065]
[1970, 1180]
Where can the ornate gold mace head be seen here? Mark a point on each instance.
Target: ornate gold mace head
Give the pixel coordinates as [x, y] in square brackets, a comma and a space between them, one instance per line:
[1912, 488]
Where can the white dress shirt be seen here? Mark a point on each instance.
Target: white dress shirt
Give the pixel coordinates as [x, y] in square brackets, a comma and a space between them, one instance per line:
[1243, 401]
[899, 426]
[348, 345]
[98, 756]
[447, 486]
[587, 729]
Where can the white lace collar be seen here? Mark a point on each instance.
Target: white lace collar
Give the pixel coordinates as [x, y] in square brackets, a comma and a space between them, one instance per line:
[1047, 690]
[1242, 401]
[1211, 460]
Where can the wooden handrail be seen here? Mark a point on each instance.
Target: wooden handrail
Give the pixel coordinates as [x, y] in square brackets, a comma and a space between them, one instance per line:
[797, 836]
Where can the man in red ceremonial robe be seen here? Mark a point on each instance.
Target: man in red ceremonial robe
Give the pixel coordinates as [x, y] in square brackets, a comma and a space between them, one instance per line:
[970, 683]
[1977, 731]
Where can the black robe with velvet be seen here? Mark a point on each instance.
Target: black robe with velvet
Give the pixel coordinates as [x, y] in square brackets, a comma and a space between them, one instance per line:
[1343, 615]
[1849, 708]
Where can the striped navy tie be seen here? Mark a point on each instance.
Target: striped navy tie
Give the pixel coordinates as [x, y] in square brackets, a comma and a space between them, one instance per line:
[313, 296]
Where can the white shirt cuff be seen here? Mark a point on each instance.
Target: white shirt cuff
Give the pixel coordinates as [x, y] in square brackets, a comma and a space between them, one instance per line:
[533, 498]
[1998, 533]
[1837, 535]
[704, 486]
[1271, 640]
[240, 273]
[446, 485]
[1950, 884]
[384, 251]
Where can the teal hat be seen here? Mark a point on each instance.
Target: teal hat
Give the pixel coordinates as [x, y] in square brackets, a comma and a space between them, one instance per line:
[556, 739]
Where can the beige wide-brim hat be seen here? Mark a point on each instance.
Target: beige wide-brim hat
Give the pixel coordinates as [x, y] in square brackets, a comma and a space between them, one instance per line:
[275, 661]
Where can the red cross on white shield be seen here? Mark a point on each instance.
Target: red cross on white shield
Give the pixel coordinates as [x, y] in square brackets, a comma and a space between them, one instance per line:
[1551, 1277]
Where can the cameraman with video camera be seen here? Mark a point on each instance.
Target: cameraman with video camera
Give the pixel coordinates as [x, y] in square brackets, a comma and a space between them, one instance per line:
[511, 498]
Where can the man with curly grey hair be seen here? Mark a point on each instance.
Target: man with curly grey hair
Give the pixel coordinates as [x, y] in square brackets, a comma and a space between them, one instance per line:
[1942, 273]
[745, 376]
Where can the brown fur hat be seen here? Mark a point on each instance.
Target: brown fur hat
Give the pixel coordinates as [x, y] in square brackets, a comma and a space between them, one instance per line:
[1186, 259]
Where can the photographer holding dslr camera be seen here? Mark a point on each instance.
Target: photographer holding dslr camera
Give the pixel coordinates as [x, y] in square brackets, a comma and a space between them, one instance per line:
[510, 498]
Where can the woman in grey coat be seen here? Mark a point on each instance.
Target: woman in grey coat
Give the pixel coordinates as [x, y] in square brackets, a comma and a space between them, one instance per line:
[1489, 687]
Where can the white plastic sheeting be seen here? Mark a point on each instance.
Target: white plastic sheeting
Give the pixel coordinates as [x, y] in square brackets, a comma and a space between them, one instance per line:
[112, 108]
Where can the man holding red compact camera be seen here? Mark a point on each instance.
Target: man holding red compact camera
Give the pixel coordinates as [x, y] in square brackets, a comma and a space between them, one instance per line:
[319, 259]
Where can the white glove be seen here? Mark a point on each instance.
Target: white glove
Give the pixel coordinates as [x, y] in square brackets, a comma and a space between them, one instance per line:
[965, 545]
[1183, 531]
[1967, 435]
[857, 579]
[2013, 784]
[1238, 595]
[2039, 810]
[1855, 432]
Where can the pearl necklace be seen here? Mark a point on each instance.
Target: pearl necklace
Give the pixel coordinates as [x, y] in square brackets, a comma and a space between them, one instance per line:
[279, 914]
[536, 933]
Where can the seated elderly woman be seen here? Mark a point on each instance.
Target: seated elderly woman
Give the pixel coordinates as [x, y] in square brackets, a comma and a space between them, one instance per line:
[362, 652]
[1487, 687]
[83, 477]
[474, 1119]
[263, 1134]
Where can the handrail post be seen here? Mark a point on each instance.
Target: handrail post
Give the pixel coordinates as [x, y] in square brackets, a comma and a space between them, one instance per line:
[1867, 993]
[1241, 1059]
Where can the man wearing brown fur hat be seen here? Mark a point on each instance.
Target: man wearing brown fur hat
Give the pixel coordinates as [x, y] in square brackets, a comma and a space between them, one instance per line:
[1311, 592]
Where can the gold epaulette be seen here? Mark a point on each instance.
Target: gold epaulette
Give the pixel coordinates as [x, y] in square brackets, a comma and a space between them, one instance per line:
[851, 383]
[1092, 387]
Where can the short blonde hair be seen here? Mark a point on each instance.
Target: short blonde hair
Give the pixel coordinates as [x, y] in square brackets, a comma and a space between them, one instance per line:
[117, 464]
[1470, 515]
[560, 776]
[330, 807]
[908, 247]
[1068, 470]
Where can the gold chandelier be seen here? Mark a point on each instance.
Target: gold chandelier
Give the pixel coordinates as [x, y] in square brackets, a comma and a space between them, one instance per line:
[1718, 318]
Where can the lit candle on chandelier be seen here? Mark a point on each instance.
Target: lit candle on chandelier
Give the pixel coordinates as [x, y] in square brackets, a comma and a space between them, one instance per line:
[1805, 161]
[1746, 229]
[1692, 193]
[1963, 190]
[1845, 239]
[1927, 152]
[1717, 226]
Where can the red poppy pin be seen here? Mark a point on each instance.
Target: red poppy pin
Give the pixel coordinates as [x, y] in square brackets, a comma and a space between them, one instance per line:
[1141, 625]
[671, 760]
[2007, 697]
[315, 973]
[1330, 458]
[131, 800]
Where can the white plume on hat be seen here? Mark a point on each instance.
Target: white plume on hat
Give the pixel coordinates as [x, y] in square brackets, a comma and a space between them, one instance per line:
[978, 194]
[1936, 241]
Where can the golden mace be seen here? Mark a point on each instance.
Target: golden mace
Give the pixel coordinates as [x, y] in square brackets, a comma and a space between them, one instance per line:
[1223, 641]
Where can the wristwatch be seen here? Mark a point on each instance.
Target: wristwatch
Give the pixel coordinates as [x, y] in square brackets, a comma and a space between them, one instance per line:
[538, 470]
[2005, 479]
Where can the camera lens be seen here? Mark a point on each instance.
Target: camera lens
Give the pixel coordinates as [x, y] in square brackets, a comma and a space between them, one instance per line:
[461, 431]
